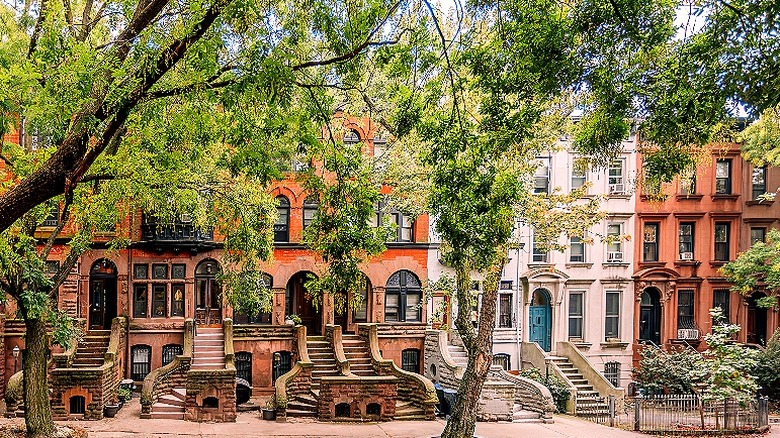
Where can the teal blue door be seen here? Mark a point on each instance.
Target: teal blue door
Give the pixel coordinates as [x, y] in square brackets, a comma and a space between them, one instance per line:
[539, 319]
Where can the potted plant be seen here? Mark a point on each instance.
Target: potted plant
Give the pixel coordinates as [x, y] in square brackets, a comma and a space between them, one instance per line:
[269, 412]
[109, 411]
[293, 319]
[124, 394]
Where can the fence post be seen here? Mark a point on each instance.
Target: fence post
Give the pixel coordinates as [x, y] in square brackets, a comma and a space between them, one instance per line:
[611, 411]
[763, 411]
[637, 411]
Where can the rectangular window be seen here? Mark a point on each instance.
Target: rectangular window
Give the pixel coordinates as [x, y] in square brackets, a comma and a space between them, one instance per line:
[410, 360]
[169, 353]
[177, 300]
[505, 310]
[539, 255]
[141, 271]
[160, 272]
[650, 242]
[141, 362]
[612, 373]
[723, 177]
[757, 234]
[615, 178]
[612, 315]
[413, 307]
[576, 250]
[140, 300]
[578, 174]
[721, 298]
[391, 307]
[688, 184]
[576, 314]
[686, 241]
[542, 176]
[159, 307]
[614, 242]
[178, 271]
[404, 224]
[759, 182]
[685, 309]
[722, 237]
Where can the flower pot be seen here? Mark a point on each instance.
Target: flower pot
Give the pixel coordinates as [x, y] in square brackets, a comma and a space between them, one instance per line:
[110, 411]
[269, 414]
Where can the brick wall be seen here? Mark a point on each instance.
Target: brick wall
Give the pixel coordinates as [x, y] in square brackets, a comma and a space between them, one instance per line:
[205, 384]
[358, 394]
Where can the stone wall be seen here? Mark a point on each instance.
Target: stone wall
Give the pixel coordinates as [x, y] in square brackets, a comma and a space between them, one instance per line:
[205, 385]
[69, 382]
[262, 342]
[358, 393]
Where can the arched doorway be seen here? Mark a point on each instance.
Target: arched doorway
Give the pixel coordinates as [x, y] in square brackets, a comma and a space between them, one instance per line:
[650, 316]
[359, 312]
[102, 294]
[208, 297]
[756, 320]
[540, 319]
[300, 302]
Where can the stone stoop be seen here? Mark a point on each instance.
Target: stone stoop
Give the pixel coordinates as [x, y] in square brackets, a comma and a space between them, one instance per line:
[170, 406]
[208, 349]
[358, 355]
[586, 394]
[90, 352]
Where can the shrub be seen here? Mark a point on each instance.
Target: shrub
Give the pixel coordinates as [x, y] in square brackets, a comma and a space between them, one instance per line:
[558, 389]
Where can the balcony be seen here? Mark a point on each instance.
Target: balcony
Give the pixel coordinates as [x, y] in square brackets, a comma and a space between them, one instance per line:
[177, 236]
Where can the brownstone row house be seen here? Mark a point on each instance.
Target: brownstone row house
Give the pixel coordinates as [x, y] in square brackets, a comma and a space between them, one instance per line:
[703, 224]
[153, 313]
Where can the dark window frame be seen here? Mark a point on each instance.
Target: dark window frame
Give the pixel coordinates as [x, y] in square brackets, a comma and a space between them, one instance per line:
[282, 225]
[612, 373]
[758, 189]
[651, 230]
[404, 290]
[753, 237]
[138, 369]
[177, 305]
[77, 405]
[505, 310]
[281, 364]
[612, 319]
[576, 315]
[159, 305]
[503, 360]
[410, 360]
[723, 182]
[141, 306]
[170, 351]
[686, 240]
[310, 206]
[243, 362]
[722, 241]
[722, 298]
[686, 302]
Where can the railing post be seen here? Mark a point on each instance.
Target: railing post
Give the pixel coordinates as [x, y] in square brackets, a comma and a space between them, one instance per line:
[763, 411]
[637, 411]
[611, 411]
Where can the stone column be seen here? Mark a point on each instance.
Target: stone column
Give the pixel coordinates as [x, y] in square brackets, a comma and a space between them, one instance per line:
[378, 304]
[278, 311]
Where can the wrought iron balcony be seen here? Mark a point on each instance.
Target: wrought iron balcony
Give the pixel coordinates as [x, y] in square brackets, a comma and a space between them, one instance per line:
[178, 234]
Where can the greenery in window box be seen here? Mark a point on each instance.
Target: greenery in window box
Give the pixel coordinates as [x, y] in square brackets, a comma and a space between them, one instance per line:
[560, 392]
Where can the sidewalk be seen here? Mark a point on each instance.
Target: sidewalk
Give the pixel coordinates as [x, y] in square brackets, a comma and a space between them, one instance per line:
[127, 424]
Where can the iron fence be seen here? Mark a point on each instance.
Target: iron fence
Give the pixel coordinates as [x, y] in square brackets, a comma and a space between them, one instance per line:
[683, 414]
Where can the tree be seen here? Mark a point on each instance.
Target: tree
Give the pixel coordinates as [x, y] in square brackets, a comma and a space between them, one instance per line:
[757, 268]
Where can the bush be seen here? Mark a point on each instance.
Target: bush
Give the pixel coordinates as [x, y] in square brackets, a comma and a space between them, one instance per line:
[558, 389]
[766, 371]
[676, 371]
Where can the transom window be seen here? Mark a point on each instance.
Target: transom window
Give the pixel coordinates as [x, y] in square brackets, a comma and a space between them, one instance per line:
[403, 296]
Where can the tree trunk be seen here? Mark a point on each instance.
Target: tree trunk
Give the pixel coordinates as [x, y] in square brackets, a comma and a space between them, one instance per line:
[463, 421]
[36, 388]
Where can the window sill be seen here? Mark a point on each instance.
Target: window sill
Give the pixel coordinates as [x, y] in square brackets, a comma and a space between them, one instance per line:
[687, 263]
[580, 344]
[765, 203]
[652, 264]
[725, 197]
[540, 265]
[689, 197]
[615, 344]
[616, 264]
[714, 263]
[579, 265]
[617, 196]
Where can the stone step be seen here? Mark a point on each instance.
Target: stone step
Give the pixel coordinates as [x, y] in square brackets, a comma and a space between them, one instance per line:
[171, 400]
[167, 415]
[207, 366]
[519, 415]
[300, 413]
[165, 407]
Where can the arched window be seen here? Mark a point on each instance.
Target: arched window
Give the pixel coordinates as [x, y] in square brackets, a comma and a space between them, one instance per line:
[282, 225]
[310, 206]
[170, 351]
[410, 360]
[282, 363]
[503, 360]
[403, 296]
[140, 361]
[266, 282]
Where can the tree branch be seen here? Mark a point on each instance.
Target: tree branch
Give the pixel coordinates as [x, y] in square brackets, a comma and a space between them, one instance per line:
[355, 51]
[38, 28]
[63, 219]
[65, 268]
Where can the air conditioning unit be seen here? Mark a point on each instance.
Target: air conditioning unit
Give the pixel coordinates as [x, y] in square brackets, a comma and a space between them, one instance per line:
[617, 189]
[614, 256]
[686, 256]
[687, 334]
[185, 217]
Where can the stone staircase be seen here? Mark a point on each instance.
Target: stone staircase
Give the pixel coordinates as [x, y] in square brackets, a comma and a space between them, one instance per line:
[356, 352]
[460, 356]
[208, 349]
[588, 399]
[171, 406]
[321, 354]
[91, 350]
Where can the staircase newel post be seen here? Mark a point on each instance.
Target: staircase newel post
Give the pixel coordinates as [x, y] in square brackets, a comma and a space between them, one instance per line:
[637, 412]
[611, 411]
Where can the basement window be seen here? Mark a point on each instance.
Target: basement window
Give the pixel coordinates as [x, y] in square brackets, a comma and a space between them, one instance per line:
[77, 405]
[343, 410]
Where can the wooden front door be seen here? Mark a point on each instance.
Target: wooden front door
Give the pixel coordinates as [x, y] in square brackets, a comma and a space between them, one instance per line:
[300, 303]
[97, 304]
[208, 296]
[102, 295]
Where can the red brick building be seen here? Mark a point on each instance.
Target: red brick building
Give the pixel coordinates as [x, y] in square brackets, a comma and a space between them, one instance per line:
[685, 239]
[136, 303]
